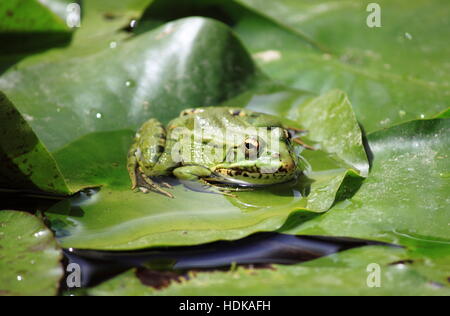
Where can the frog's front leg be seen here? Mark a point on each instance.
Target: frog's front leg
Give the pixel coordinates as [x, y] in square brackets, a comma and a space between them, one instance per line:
[133, 165]
[144, 154]
[193, 178]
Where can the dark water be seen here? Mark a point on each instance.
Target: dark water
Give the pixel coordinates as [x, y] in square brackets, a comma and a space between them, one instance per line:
[259, 250]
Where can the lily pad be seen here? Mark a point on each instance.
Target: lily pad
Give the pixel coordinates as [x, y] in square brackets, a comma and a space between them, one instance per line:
[116, 218]
[26, 164]
[30, 26]
[30, 16]
[406, 195]
[172, 68]
[340, 274]
[392, 74]
[30, 256]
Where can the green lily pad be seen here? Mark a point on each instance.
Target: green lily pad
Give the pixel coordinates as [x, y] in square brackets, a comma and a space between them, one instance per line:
[392, 74]
[116, 218]
[156, 74]
[105, 98]
[30, 26]
[25, 162]
[29, 256]
[30, 16]
[340, 274]
[406, 195]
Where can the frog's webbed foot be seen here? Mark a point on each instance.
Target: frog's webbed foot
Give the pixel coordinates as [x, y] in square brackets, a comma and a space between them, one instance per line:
[151, 185]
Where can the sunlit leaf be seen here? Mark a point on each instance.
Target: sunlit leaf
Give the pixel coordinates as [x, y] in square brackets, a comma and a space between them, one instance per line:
[25, 162]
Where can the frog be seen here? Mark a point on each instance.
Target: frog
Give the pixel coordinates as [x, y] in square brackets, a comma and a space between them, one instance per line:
[245, 150]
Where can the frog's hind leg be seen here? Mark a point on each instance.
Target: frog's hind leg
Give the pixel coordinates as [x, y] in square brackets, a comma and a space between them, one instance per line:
[202, 185]
[192, 177]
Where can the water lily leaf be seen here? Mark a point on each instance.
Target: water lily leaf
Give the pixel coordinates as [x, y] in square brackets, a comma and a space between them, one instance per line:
[323, 45]
[29, 16]
[340, 274]
[392, 74]
[25, 162]
[406, 195]
[173, 67]
[28, 26]
[116, 218]
[30, 256]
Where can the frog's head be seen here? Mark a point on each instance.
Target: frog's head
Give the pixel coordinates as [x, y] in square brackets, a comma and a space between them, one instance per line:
[264, 157]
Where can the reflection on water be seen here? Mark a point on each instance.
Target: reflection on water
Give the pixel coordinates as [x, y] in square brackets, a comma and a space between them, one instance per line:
[258, 249]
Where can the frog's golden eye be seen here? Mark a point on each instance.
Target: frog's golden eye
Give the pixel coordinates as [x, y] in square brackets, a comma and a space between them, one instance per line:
[252, 148]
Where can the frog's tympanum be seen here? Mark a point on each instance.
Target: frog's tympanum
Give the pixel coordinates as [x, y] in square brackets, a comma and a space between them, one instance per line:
[216, 149]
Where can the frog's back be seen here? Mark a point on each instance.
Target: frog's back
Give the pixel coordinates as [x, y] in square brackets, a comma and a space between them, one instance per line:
[211, 131]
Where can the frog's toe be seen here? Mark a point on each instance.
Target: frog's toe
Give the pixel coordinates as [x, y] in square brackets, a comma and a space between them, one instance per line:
[166, 185]
[228, 193]
[144, 190]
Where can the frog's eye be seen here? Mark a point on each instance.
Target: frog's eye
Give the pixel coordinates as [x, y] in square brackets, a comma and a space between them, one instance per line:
[252, 148]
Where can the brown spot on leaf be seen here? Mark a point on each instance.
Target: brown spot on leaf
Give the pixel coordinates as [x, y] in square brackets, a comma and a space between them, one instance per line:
[110, 16]
[157, 279]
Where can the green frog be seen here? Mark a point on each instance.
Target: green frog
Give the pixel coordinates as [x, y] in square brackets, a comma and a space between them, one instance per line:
[214, 149]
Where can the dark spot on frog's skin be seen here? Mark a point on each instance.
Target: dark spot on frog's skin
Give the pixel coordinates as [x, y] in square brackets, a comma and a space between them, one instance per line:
[9, 13]
[448, 279]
